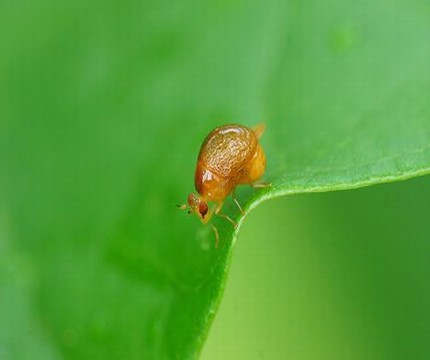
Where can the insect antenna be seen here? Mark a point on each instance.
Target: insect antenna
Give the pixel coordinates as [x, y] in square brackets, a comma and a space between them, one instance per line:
[184, 207]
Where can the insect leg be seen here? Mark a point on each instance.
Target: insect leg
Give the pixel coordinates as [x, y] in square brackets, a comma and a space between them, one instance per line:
[233, 195]
[260, 185]
[216, 235]
[228, 218]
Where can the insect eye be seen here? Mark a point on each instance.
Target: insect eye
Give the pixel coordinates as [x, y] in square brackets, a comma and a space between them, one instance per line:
[203, 208]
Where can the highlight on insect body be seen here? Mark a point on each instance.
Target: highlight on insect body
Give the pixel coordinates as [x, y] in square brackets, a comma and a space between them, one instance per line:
[230, 155]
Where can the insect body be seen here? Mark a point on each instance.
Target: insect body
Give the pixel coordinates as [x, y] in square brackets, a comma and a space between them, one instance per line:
[229, 156]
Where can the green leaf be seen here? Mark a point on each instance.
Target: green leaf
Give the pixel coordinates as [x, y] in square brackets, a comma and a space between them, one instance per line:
[103, 108]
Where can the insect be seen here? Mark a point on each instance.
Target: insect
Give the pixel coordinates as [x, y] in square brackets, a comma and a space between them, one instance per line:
[230, 155]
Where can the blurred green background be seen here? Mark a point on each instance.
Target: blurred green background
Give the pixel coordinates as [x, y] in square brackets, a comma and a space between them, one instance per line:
[103, 107]
[341, 275]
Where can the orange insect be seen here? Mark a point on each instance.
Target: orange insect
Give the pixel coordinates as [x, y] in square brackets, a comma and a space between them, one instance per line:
[230, 155]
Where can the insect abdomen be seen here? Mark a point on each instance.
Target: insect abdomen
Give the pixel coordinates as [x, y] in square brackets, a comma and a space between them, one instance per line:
[227, 149]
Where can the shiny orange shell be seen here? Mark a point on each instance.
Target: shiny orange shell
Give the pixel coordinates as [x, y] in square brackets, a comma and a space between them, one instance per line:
[230, 155]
